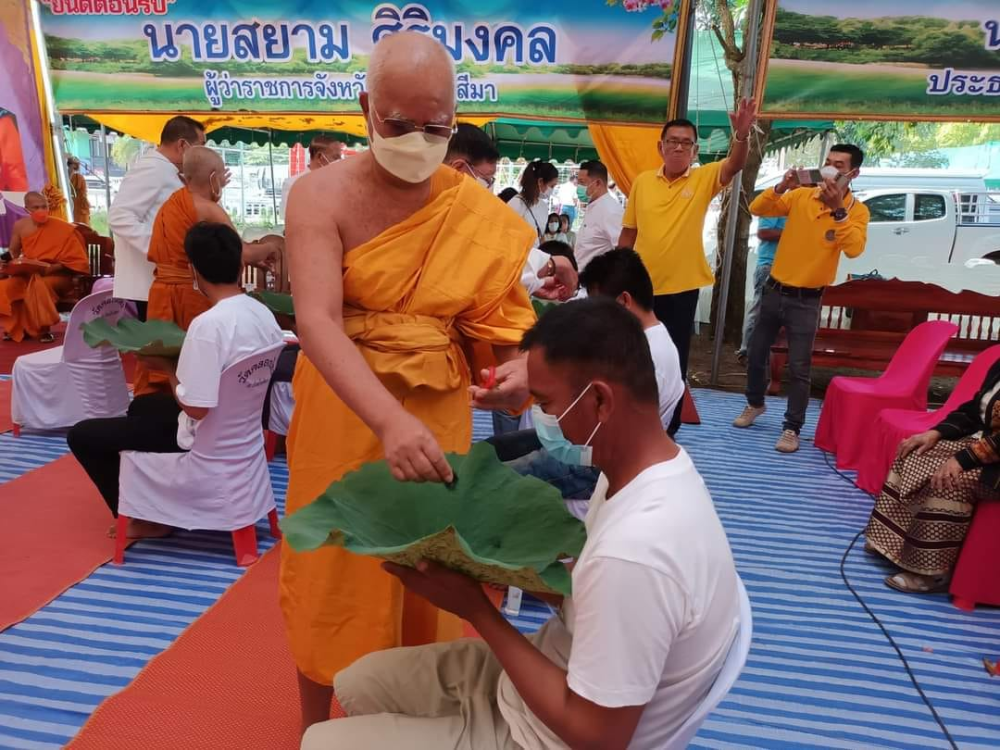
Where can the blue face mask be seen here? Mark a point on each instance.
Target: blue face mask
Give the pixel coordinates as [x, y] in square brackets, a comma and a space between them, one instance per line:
[550, 435]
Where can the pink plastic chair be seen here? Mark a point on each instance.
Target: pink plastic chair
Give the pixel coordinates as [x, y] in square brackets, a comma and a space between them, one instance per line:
[892, 426]
[851, 404]
[976, 579]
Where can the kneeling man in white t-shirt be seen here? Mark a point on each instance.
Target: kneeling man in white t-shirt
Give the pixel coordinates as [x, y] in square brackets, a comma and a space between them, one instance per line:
[655, 604]
[234, 327]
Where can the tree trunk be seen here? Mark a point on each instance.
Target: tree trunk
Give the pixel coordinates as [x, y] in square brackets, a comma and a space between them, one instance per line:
[733, 332]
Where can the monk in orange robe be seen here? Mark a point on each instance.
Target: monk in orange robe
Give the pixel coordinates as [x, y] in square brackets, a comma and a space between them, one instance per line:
[28, 303]
[13, 176]
[396, 262]
[173, 295]
[78, 188]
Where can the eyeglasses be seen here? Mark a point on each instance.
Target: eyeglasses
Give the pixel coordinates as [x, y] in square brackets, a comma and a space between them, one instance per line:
[397, 127]
[683, 144]
[476, 173]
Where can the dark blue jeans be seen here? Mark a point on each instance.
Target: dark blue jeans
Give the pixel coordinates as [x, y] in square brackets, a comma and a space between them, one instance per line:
[799, 316]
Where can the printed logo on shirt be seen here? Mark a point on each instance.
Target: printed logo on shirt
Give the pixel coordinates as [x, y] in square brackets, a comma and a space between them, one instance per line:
[830, 235]
[687, 193]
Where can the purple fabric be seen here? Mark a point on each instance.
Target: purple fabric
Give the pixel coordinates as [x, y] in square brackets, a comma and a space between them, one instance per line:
[20, 96]
[14, 212]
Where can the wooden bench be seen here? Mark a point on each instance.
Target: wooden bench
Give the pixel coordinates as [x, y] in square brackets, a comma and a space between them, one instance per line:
[863, 322]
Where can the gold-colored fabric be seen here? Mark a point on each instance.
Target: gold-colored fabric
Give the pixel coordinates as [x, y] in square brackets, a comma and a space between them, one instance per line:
[414, 296]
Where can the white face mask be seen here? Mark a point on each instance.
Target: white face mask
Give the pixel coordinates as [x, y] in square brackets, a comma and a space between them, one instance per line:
[546, 194]
[553, 227]
[413, 157]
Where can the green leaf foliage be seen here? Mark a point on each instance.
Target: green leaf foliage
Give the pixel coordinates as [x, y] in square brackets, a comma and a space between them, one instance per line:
[154, 338]
[277, 302]
[541, 306]
[493, 524]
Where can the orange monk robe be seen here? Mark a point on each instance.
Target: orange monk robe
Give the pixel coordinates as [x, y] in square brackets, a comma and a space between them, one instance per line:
[413, 296]
[13, 176]
[172, 296]
[81, 203]
[28, 303]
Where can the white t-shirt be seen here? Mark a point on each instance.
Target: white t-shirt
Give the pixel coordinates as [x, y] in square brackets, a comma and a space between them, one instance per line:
[667, 363]
[227, 332]
[566, 194]
[654, 611]
[536, 216]
[602, 226]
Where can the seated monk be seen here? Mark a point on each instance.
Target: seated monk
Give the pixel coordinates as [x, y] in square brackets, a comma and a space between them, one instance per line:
[174, 295]
[28, 303]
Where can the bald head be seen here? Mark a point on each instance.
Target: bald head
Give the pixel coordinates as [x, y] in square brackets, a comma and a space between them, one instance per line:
[410, 71]
[200, 163]
[34, 201]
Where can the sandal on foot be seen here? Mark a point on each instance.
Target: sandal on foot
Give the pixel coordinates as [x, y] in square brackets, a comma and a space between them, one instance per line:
[46, 338]
[913, 583]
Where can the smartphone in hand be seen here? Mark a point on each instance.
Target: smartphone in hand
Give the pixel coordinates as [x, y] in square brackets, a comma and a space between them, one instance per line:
[808, 177]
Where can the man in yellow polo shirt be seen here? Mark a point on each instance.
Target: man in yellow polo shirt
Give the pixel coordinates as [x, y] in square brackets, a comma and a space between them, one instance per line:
[665, 217]
[823, 223]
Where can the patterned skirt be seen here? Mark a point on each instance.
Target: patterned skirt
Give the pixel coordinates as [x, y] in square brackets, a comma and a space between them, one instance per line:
[914, 526]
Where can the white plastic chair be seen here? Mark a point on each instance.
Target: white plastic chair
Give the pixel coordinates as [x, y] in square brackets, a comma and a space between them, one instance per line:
[731, 668]
[222, 483]
[58, 387]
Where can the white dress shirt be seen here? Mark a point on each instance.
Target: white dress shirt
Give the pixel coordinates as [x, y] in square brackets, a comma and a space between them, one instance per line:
[146, 187]
[602, 225]
[286, 190]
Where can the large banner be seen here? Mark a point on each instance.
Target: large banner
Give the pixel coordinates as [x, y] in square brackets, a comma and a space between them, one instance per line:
[899, 59]
[22, 151]
[601, 60]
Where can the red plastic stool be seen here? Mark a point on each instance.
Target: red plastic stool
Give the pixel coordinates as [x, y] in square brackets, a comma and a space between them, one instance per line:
[977, 575]
[244, 540]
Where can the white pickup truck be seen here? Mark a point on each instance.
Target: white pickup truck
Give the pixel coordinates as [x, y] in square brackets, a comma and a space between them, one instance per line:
[924, 234]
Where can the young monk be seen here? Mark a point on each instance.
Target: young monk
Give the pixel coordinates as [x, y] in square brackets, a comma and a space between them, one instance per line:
[28, 303]
[174, 296]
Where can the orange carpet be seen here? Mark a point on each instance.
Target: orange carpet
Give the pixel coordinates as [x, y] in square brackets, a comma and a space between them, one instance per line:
[11, 350]
[6, 425]
[228, 683]
[57, 535]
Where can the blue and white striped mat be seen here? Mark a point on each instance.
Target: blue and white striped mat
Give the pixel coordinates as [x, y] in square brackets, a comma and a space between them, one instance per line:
[820, 673]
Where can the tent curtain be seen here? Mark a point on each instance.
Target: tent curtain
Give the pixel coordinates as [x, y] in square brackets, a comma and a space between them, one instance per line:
[626, 150]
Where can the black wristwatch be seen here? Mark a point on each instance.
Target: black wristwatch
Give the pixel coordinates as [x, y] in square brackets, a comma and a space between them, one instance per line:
[840, 214]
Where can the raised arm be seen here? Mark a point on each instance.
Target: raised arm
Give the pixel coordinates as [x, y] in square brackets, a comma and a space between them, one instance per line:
[315, 254]
[742, 122]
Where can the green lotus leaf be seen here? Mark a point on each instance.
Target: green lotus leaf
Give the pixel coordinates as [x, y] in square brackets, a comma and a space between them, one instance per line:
[276, 302]
[541, 306]
[153, 338]
[493, 525]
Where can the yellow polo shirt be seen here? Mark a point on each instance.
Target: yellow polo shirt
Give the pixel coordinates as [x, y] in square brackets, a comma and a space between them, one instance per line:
[811, 243]
[670, 218]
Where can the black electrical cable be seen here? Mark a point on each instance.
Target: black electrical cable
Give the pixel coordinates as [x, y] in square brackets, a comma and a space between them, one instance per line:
[885, 632]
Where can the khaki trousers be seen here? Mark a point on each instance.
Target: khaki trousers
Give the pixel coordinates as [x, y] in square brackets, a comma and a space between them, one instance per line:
[437, 697]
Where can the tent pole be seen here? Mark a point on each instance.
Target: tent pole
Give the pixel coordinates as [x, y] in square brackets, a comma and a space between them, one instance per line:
[750, 65]
[107, 167]
[270, 159]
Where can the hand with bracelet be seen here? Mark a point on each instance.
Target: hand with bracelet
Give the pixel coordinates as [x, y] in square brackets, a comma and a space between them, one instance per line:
[561, 280]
